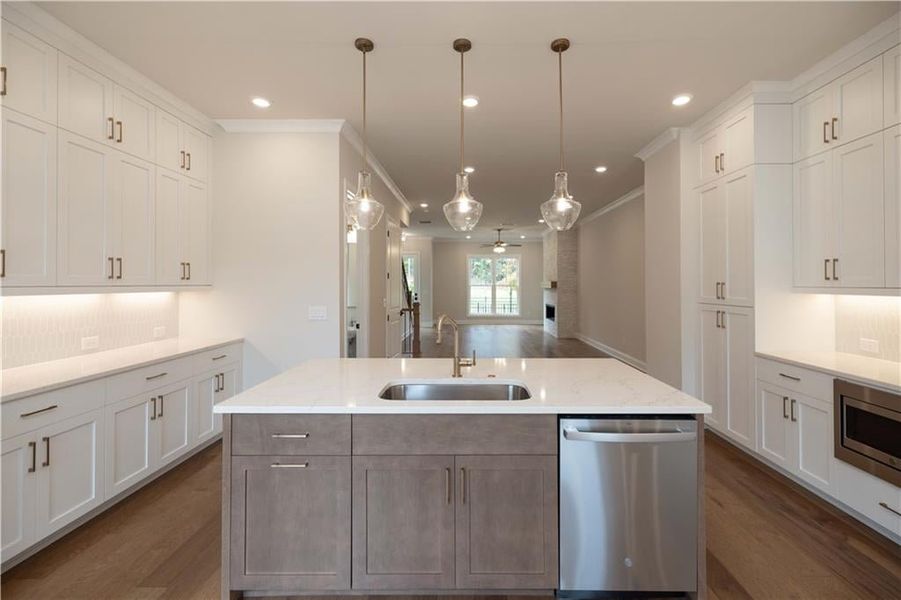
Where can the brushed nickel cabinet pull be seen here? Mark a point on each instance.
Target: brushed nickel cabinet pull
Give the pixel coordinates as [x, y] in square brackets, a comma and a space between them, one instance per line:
[112, 268]
[189, 270]
[220, 357]
[290, 436]
[46, 462]
[834, 121]
[161, 406]
[290, 466]
[119, 137]
[722, 290]
[835, 269]
[39, 411]
[157, 376]
[182, 166]
[463, 484]
[183, 276]
[112, 128]
[119, 265]
[723, 162]
[825, 137]
[784, 407]
[723, 319]
[826, 269]
[34, 456]
[792, 377]
[447, 478]
[188, 168]
[2, 262]
[220, 382]
[716, 163]
[2, 81]
[153, 415]
[889, 508]
[792, 411]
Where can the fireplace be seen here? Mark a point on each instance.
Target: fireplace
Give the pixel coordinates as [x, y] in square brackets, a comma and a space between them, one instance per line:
[550, 312]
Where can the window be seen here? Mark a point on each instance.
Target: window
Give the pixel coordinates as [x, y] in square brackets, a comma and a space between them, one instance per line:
[493, 286]
[411, 269]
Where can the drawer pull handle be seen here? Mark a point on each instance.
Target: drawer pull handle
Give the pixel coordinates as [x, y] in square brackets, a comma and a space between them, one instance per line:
[157, 376]
[792, 377]
[290, 436]
[34, 456]
[39, 411]
[290, 466]
[220, 357]
[889, 508]
[46, 462]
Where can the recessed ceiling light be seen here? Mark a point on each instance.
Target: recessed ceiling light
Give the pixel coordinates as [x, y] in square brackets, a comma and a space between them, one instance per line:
[682, 99]
[470, 101]
[470, 169]
[601, 169]
[261, 102]
[541, 220]
[468, 237]
[423, 205]
[522, 237]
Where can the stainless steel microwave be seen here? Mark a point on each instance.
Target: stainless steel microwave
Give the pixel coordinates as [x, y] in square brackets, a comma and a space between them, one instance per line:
[868, 429]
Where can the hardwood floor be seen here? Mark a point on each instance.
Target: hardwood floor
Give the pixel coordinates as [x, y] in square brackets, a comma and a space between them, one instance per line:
[766, 538]
[509, 341]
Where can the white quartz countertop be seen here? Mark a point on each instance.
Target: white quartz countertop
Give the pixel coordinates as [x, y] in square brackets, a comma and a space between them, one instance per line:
[885, 374]
[557, 386]
[19, 382]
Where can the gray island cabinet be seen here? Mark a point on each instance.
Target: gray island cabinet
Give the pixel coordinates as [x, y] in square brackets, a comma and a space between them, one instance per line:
[394, 502]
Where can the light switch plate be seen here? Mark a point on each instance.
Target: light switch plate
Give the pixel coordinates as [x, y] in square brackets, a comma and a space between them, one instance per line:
[869, 345]
[317, 313]
[159, 332]
[91, 342]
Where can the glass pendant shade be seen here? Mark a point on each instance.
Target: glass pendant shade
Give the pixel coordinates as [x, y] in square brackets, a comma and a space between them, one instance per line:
[364, 211]
[561, 211]
[499, 249]
[463, 211]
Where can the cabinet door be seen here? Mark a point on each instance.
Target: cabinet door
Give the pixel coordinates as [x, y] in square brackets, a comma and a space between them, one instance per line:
[70, 471]
[86, 231]
[196, 153]
[403, 522]
[168, 142]
[131, 443]
[773, 431]
[892, 143]
[134, 224]
[29, 76]
[290, 523]
[713, 241]
[85, 101]
[709, 146]
[738, 146]
[196, 225]
[738, 200]
[29, 201]
[891, 87]
[741, 416]
[813, 439]
[813, 221]
[506, 522]
[204, 399]
[859, 212]
[865, 493]
[135, 124]
[17, 493]
[858, 103]
[813, 117]
[168, 225]
[173, 420]
[713, 366]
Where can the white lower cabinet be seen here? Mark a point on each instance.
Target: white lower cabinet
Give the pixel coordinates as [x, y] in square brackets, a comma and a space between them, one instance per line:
[17, 494]
[868, 495]
[172, 418]
[210, 389]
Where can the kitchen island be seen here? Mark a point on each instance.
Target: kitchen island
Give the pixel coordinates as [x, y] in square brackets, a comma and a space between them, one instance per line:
[330, 488]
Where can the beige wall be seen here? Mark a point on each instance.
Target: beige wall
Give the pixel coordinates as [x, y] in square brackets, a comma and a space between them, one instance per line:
[662, 274]
[423, 247]
[611, 280]
[450, 286]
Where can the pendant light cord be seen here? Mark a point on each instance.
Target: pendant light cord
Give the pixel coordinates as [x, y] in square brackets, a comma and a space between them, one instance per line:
[461, 112]
[364, 112]
[560, 87]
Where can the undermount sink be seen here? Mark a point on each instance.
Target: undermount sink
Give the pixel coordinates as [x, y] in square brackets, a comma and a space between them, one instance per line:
[488, 392]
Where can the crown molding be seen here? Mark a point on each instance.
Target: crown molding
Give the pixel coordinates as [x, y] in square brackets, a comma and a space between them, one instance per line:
[658, 143]
[351, 135]
[627, 197]
[281, 125]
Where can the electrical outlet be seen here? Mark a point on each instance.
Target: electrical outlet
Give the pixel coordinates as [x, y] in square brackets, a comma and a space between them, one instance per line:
[317, 313]
[869, 345]
[90, 343]
[159, 332]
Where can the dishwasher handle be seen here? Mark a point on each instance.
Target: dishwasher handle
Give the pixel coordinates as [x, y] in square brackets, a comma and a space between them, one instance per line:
[655, 437]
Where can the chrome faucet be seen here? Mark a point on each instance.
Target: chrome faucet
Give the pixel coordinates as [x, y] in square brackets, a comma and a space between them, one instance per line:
[458, 362]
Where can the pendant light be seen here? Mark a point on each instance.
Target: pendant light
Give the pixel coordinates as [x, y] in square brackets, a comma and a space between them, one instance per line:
[463, 211]
[561, 211]
[363, 210]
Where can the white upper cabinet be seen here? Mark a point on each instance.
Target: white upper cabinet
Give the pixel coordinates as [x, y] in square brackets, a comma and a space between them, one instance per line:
[738, 143]
[133, 225]
[169, 150]
[708, 147]
[85, 101]
[812, 221]
[891, 87]
[28, 221]
[169, 229]
[195, 224]
[28, 74]
[892, 144]
[713, 242]
[196, 148]
[849, 108]
[135, 121]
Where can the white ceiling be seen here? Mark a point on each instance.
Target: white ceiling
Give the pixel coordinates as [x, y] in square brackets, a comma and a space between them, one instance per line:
[626, 62]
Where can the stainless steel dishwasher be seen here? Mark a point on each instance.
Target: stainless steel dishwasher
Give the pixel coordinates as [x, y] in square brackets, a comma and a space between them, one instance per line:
[628, 505]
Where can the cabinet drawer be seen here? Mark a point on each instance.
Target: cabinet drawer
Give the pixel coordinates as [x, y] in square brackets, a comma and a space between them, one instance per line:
[34, 412]
[138, 381]
[213, 359]
[797, 379]
[455, 434]
[290, 434]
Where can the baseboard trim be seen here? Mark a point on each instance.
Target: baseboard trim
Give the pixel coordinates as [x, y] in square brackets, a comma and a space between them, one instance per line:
[617, 354]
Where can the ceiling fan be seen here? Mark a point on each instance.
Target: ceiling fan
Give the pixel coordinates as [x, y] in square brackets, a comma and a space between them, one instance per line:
[500, 247]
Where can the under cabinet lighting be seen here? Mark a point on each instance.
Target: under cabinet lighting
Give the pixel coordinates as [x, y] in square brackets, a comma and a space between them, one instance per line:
[260, 102]
[682, 99]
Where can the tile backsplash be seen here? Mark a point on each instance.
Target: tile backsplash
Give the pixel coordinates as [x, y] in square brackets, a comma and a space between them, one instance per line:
[868, 326]
[41, 328]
